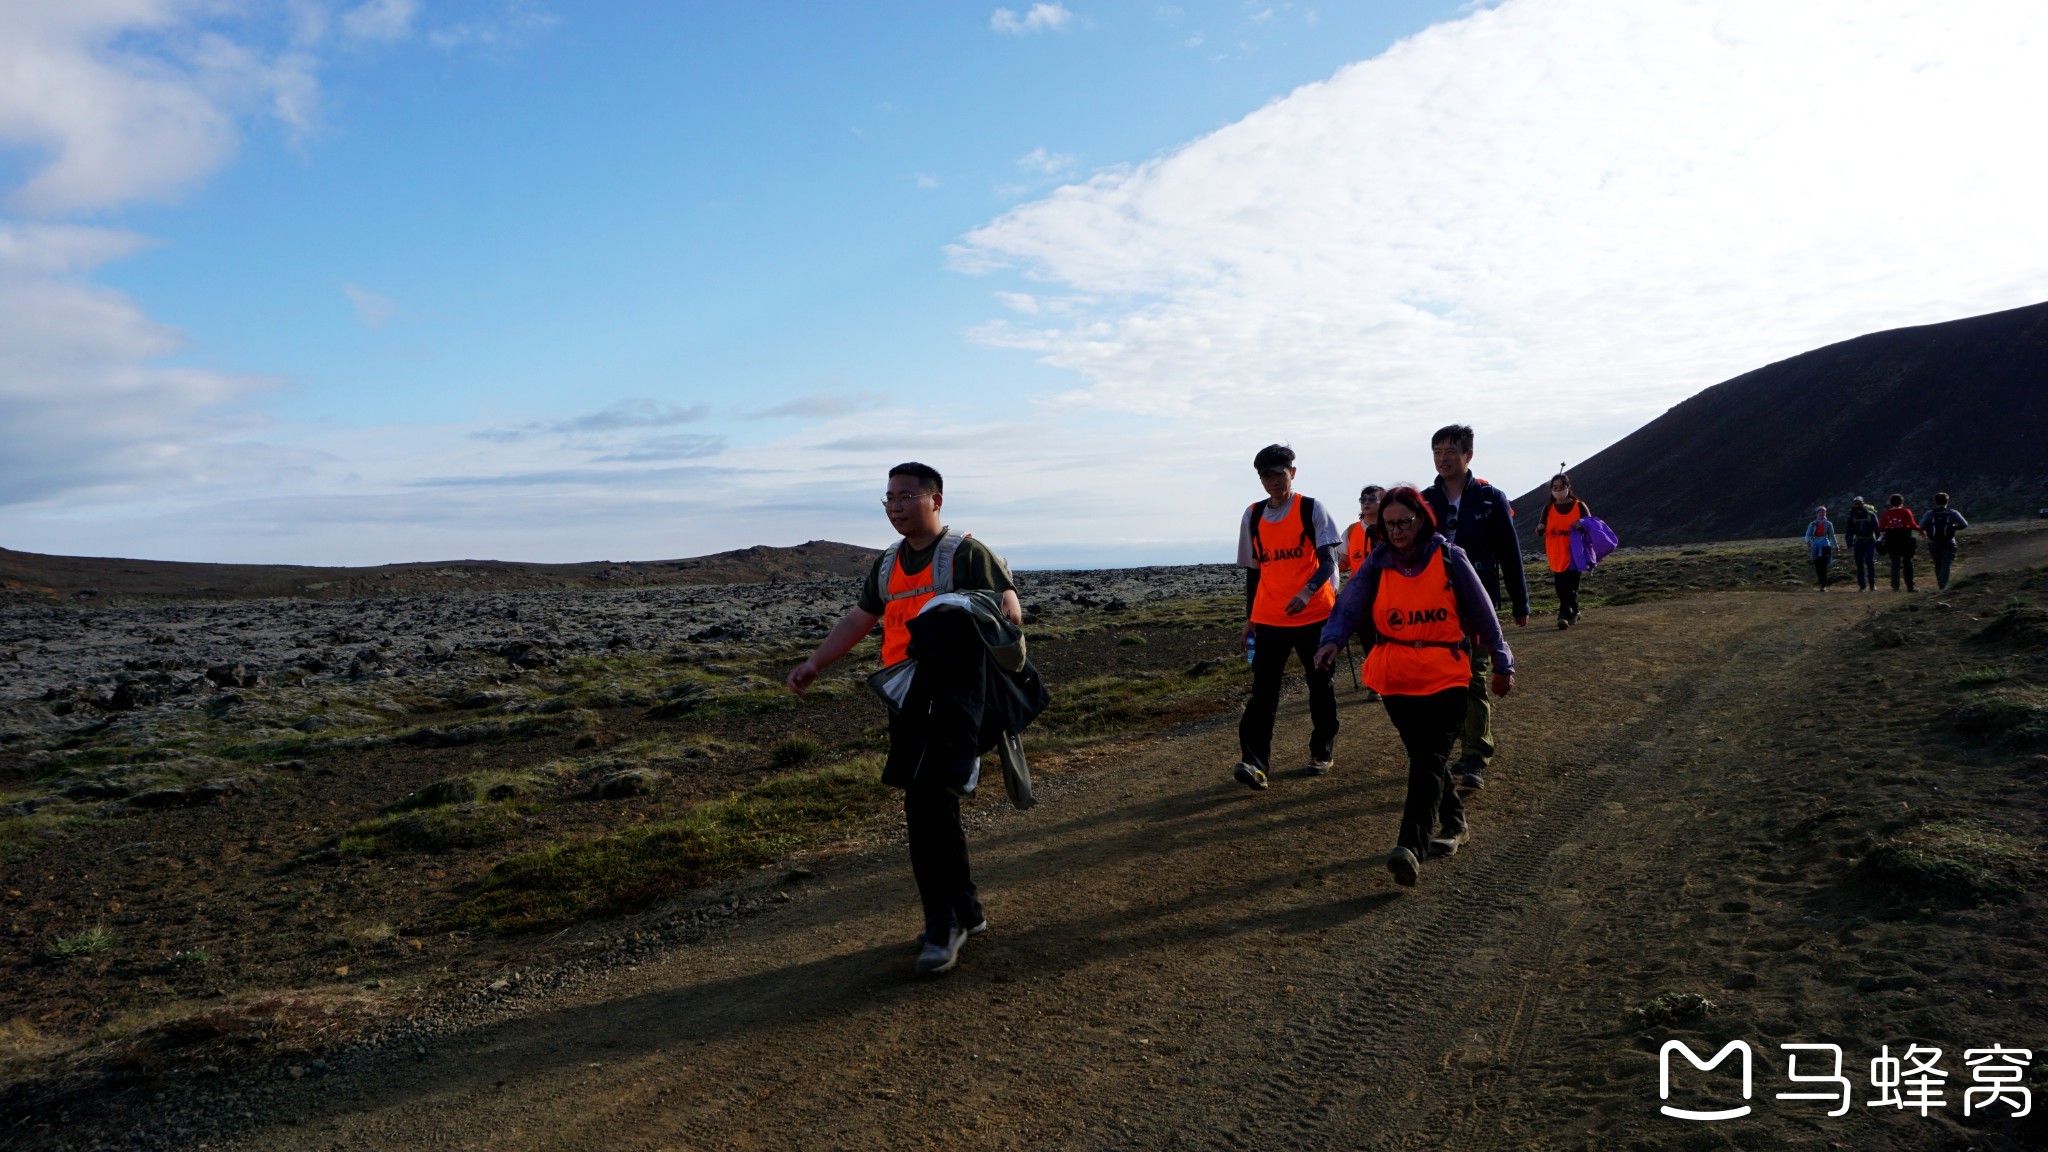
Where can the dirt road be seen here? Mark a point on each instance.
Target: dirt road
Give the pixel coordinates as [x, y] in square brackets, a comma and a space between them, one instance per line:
[1176, 962]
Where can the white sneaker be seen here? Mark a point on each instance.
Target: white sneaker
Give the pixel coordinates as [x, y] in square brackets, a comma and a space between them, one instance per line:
[977, 930]
[935, 958]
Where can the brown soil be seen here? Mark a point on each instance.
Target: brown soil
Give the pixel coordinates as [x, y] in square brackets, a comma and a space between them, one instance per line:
[1688, 795]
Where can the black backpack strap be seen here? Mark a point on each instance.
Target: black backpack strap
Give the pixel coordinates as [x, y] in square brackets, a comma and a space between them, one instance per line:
[1252, 517]
[1308, 522]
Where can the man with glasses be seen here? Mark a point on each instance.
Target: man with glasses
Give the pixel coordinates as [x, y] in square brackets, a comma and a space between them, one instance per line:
[1476, 517]
[901, 580]
[1288, 544]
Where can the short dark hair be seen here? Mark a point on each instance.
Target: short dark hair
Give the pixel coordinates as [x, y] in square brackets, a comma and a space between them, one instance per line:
[1408, 495]
[1941, 499]
[925, 473]
[1459, 434]
[1896, 500]
[1273, 456]
[1368, 490]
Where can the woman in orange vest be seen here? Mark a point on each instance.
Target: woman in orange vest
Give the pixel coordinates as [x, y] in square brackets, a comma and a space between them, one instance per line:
[1289, 544]
[1360, 537]
[1420, 608]
[1564, 510]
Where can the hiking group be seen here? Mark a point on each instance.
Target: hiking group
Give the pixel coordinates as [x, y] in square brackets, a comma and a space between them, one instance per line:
[1895, 532]
[1424, 573]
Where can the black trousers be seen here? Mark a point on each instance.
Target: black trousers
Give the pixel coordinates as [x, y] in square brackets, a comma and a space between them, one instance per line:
[1429, 726]
[1944, 560]
[938, 858]
[1865, 552]
[1567, 585]
[1271, 645]
[1902, 561]
[1821, 560]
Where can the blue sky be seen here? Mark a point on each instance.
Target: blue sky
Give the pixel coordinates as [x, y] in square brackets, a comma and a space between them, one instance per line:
[692, 202]
[335, 281]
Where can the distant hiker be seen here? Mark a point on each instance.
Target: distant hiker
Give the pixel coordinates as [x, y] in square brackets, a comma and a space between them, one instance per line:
[1288, 545]
[1361, 536]
[1940, 526]
[1820, 545]
[1420, 606]
[1560, 517]
[933, 762]
[1862, 533]
[1900, 533]
[1476, 517]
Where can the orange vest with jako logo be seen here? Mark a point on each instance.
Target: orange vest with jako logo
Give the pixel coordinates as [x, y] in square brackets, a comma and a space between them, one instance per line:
[1422, 649]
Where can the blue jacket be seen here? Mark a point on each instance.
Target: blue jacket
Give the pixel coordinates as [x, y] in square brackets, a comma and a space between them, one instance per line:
[1484, 529]
[1820, 537]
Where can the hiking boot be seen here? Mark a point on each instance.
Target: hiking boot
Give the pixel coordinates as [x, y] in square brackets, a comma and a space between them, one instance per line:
[1250, 775]
[1405, 867]
[935, 958]
[1319, 767]
[1563, 622]
[1448, 843]
[1471, 775]
[977, 930]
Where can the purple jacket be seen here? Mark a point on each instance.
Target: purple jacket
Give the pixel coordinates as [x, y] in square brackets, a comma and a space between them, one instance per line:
[1353, 614]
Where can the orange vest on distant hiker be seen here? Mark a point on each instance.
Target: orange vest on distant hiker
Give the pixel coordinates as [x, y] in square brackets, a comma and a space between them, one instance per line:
[906, 594]
[1422, 647]
[1355, 548]
[1286, 552]
[1557, 533]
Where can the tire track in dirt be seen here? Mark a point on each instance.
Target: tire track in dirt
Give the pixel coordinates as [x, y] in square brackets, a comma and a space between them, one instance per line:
[1395, 1030]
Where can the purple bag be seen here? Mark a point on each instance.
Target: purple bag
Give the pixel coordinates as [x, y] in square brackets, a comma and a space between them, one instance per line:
[1591, 540]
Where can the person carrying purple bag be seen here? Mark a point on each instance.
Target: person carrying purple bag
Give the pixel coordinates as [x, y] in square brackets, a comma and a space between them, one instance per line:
[1574, 540]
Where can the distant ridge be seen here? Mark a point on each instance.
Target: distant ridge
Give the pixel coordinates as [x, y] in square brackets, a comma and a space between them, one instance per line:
[1960, 407]
[94, 578]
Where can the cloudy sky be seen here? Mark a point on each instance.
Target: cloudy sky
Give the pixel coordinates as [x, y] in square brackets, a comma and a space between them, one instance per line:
[358, 282]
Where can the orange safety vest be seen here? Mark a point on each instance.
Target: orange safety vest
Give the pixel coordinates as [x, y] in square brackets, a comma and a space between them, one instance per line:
[907, 593]
[1355, 548]
[1286, 570]
[1422, 647]
[1557, 533]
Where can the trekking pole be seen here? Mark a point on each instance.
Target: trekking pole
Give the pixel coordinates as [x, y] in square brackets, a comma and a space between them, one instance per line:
[1350, 664]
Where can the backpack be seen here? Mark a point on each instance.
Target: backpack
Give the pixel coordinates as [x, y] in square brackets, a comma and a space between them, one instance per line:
[1592, 540]
[1308, 522]
[1941, 526]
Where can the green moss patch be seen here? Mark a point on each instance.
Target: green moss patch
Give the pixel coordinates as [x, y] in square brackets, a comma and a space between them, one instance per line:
[1674, 1008]
[590, 876]
[1955, 858]
[2016, 721]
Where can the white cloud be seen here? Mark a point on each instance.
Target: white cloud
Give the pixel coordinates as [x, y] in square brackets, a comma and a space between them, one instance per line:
[927, 180]
[373, 311]
[821, 405]
[1553, 218]
[380, 20]
[84, 403]
[1040, 18]
[1045, 162]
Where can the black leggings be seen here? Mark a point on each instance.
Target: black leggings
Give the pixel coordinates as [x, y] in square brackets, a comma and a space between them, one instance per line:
[1567, 585]
[1821, 560]
[1429, 726]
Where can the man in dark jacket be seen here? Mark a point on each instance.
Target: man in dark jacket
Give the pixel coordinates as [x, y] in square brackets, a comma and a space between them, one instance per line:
[1941, 525]
[1861, 530]
[1475, 516]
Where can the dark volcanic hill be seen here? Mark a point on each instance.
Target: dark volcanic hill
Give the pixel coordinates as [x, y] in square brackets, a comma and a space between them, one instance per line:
[1960, 407]
[98, 578]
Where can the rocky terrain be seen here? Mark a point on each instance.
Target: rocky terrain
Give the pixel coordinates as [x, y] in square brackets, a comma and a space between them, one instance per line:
[107, 580]
[296, 872]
